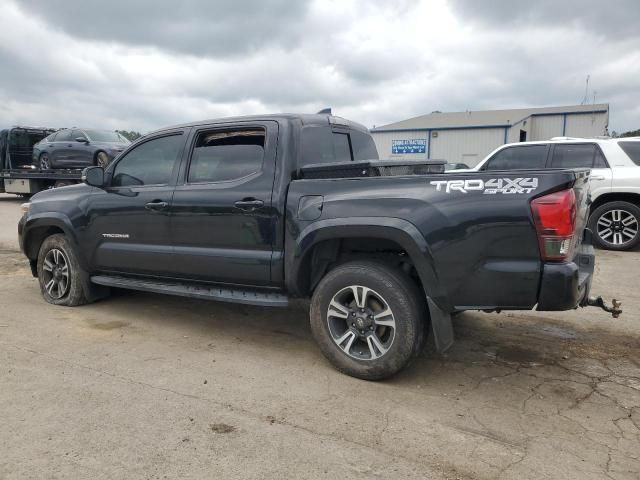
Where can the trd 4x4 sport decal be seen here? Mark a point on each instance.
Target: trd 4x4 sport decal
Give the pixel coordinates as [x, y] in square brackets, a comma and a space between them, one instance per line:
[490, 187]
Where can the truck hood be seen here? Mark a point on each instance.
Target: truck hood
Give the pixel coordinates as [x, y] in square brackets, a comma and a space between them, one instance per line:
[69, 193]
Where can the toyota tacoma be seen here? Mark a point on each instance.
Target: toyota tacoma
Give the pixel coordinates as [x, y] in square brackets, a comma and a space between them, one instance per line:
[261, 209]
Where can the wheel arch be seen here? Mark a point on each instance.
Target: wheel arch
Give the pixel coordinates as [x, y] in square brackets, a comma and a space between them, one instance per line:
[322, 243]
[614, 197]
[40, 227]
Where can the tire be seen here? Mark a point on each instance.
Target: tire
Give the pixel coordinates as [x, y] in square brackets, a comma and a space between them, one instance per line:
[44, 161]
[359, 354]
[615, 225]
[102, 160]
[55, 253]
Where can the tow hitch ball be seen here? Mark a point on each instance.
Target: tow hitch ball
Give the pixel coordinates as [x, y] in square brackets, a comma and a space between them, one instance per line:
[614, 310]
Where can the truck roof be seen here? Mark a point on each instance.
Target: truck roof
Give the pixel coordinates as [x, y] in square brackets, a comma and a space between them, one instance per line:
[304, 118]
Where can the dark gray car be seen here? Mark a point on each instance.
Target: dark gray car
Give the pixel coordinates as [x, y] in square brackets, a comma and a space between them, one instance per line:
[78, 147]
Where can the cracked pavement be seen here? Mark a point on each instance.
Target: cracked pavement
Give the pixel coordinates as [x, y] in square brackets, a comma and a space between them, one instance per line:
[147, 386]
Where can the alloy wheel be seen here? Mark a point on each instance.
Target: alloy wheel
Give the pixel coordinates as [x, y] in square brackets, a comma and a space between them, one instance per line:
[617, 227]
[44, 162]
[361, 323]
[55, 273]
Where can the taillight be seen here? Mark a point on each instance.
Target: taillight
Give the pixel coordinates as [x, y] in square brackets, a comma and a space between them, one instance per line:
[555, 218]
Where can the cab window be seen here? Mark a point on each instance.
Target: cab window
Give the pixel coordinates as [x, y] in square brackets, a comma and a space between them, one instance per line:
[223, 156]
[150, 163]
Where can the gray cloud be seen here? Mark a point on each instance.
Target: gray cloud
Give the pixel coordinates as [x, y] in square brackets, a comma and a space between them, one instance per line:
[617, 20]
[195, 27]
[143, 65]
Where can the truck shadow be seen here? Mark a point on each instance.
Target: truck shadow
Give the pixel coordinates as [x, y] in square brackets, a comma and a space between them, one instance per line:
[510, 342]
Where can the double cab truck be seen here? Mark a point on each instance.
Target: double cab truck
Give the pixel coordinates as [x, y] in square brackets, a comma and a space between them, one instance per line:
[262, 209]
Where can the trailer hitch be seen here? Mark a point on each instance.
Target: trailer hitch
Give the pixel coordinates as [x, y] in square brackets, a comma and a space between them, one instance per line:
[614, 310]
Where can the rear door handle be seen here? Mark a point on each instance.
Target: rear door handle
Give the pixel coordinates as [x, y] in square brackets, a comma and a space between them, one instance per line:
[157, 205]
[597, 177]
[249, 204]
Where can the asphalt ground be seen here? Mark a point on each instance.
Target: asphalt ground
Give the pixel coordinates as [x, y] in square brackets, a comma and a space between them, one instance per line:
[143, 386]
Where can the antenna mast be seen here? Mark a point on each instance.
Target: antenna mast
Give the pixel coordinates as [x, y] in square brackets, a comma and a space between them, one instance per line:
[585, 99]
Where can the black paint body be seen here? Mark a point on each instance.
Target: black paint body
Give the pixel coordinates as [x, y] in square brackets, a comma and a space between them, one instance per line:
[471, 250]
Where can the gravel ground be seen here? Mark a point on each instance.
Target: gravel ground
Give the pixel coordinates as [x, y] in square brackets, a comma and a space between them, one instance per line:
[146, 386]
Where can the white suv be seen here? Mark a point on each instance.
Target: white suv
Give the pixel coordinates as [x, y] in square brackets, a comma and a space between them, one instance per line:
[615, 179]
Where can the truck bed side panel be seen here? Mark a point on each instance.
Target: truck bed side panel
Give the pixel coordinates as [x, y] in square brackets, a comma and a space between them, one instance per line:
[483, 245]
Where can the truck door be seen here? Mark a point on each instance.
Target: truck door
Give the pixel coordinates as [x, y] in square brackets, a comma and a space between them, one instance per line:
[129, 227]
[222, 220]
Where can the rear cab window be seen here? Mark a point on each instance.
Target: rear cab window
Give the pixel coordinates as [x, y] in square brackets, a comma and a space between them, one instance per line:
[632, 149]
[322, 144]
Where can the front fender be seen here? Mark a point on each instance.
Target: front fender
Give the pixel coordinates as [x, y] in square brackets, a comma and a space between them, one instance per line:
[400, 231]
[42, 220]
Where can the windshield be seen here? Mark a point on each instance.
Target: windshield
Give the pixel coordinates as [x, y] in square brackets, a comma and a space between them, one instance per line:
[105, 136]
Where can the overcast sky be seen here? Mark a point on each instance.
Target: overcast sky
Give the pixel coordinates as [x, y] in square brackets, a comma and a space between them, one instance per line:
[141, 65]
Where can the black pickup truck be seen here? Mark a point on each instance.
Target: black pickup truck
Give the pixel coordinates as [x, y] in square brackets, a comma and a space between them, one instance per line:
[261, 209]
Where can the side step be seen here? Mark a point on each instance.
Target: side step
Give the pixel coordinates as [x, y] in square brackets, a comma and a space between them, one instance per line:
[195, 290]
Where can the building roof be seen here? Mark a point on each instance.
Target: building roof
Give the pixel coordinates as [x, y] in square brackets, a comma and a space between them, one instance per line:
[485, 118]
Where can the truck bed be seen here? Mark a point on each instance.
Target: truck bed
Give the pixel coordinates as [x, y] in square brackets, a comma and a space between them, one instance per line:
[478, 232]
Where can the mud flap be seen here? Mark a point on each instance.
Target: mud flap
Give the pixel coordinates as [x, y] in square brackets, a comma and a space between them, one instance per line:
[441, 327]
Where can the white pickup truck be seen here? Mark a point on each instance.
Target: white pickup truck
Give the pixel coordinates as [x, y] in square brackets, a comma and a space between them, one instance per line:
[615, 179]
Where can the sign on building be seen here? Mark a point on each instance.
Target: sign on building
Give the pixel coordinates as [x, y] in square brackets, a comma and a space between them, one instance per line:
[417, 145]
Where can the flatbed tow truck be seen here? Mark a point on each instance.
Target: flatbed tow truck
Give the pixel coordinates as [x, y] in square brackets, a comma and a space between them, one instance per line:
[18, 174]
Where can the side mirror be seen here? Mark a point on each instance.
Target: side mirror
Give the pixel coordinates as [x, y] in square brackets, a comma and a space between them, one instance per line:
[93, 176]
[82, 139]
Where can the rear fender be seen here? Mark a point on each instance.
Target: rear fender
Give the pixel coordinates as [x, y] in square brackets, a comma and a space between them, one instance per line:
[397, 230]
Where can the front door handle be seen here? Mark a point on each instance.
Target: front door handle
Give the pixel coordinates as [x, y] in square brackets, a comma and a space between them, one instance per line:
[597, 177]
[249, 204]
[157, 205]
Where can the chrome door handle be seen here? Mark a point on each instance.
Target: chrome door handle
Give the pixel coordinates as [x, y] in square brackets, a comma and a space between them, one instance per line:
[249, 204]
[156, 205]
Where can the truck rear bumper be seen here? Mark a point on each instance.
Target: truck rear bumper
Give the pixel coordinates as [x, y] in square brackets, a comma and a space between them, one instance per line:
[566, 286]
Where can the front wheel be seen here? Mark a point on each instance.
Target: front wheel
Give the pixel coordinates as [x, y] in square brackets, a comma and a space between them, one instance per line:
[368, 319]
[615, 225]
[59, 272]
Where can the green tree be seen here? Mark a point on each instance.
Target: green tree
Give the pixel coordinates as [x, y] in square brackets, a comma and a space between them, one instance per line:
[631, 133]
[129, 135]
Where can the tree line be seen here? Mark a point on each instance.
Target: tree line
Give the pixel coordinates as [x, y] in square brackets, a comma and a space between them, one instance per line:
[130, 135]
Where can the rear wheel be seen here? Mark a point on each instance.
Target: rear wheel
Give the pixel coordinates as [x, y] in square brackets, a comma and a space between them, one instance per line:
[102, 160]
[59, 272]
[616, 225]
[368, 319]
[45, 163]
